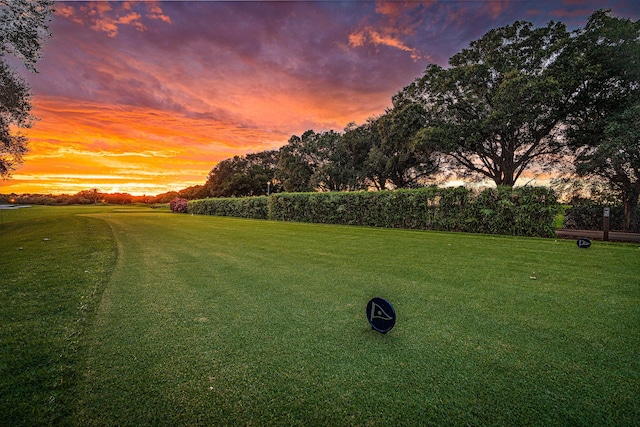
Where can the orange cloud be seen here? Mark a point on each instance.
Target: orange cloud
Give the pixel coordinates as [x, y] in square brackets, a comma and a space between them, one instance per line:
[102, 17]
[373, 36]
[155, 12]
[400, 13]
[397, 21]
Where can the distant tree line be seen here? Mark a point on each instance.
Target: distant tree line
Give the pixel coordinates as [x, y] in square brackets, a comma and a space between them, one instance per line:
[519, 98]
[94, 196]
[382, 154]
[85, 197]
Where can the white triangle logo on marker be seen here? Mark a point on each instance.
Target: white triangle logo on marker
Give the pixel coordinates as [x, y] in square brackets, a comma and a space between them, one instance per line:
[378, 313]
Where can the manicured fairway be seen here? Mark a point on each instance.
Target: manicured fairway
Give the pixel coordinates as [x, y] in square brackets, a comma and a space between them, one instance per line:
[220, 321]
[53, 269]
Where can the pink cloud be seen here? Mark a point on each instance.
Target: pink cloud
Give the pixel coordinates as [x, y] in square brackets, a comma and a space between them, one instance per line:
[563, 13]
[495, 8]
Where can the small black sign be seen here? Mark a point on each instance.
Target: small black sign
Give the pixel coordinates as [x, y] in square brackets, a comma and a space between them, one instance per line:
[381, 315]
[583, 243]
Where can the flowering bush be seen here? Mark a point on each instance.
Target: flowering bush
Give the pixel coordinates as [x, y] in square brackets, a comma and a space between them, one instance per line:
[178, 205]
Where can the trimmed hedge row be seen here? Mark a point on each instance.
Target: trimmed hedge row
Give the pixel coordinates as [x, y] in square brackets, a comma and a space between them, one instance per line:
[523, 211]
[589, 216]
[526, 211]
[245, 207]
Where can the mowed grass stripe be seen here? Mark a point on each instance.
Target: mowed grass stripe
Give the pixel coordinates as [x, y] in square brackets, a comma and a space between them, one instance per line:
[229, 322]
[53, 269]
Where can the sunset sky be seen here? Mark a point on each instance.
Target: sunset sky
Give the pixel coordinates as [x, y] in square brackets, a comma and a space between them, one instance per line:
[146, 97]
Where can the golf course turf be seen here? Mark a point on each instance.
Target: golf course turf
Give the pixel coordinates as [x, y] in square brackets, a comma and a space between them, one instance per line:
[130, 316]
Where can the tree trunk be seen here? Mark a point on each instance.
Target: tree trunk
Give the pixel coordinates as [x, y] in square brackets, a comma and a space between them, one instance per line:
[630, 200]
[505, 179]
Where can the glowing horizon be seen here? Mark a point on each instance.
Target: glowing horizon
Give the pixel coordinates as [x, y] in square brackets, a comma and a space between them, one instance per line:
[147, 97]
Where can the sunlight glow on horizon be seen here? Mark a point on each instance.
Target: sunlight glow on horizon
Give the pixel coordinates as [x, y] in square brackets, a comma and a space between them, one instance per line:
[133, 151]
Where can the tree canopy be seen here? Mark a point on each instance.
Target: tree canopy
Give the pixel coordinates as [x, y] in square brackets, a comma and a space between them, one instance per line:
[243, 175]
[498, 109]
[23, 30]
[604, 129]
[396, 156]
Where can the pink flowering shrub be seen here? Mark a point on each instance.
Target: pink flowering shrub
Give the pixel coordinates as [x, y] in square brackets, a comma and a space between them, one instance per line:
[178, 205]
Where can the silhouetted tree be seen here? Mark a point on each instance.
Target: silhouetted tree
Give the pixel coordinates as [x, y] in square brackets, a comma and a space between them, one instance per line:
[244, 175]
[23, 30]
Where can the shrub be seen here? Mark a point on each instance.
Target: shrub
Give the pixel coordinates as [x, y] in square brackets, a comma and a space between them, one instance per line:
[178, 205]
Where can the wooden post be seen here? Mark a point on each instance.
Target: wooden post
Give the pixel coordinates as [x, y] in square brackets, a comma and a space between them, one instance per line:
[605, 224]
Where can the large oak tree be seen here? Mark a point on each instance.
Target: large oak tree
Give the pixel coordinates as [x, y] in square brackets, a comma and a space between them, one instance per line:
[498, 109]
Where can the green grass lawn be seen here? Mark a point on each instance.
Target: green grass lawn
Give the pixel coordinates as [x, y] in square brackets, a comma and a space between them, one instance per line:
[53, 269]
[129, 316]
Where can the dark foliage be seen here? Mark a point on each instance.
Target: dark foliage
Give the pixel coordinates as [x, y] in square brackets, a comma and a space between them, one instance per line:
[589, 216]
[527, 211]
